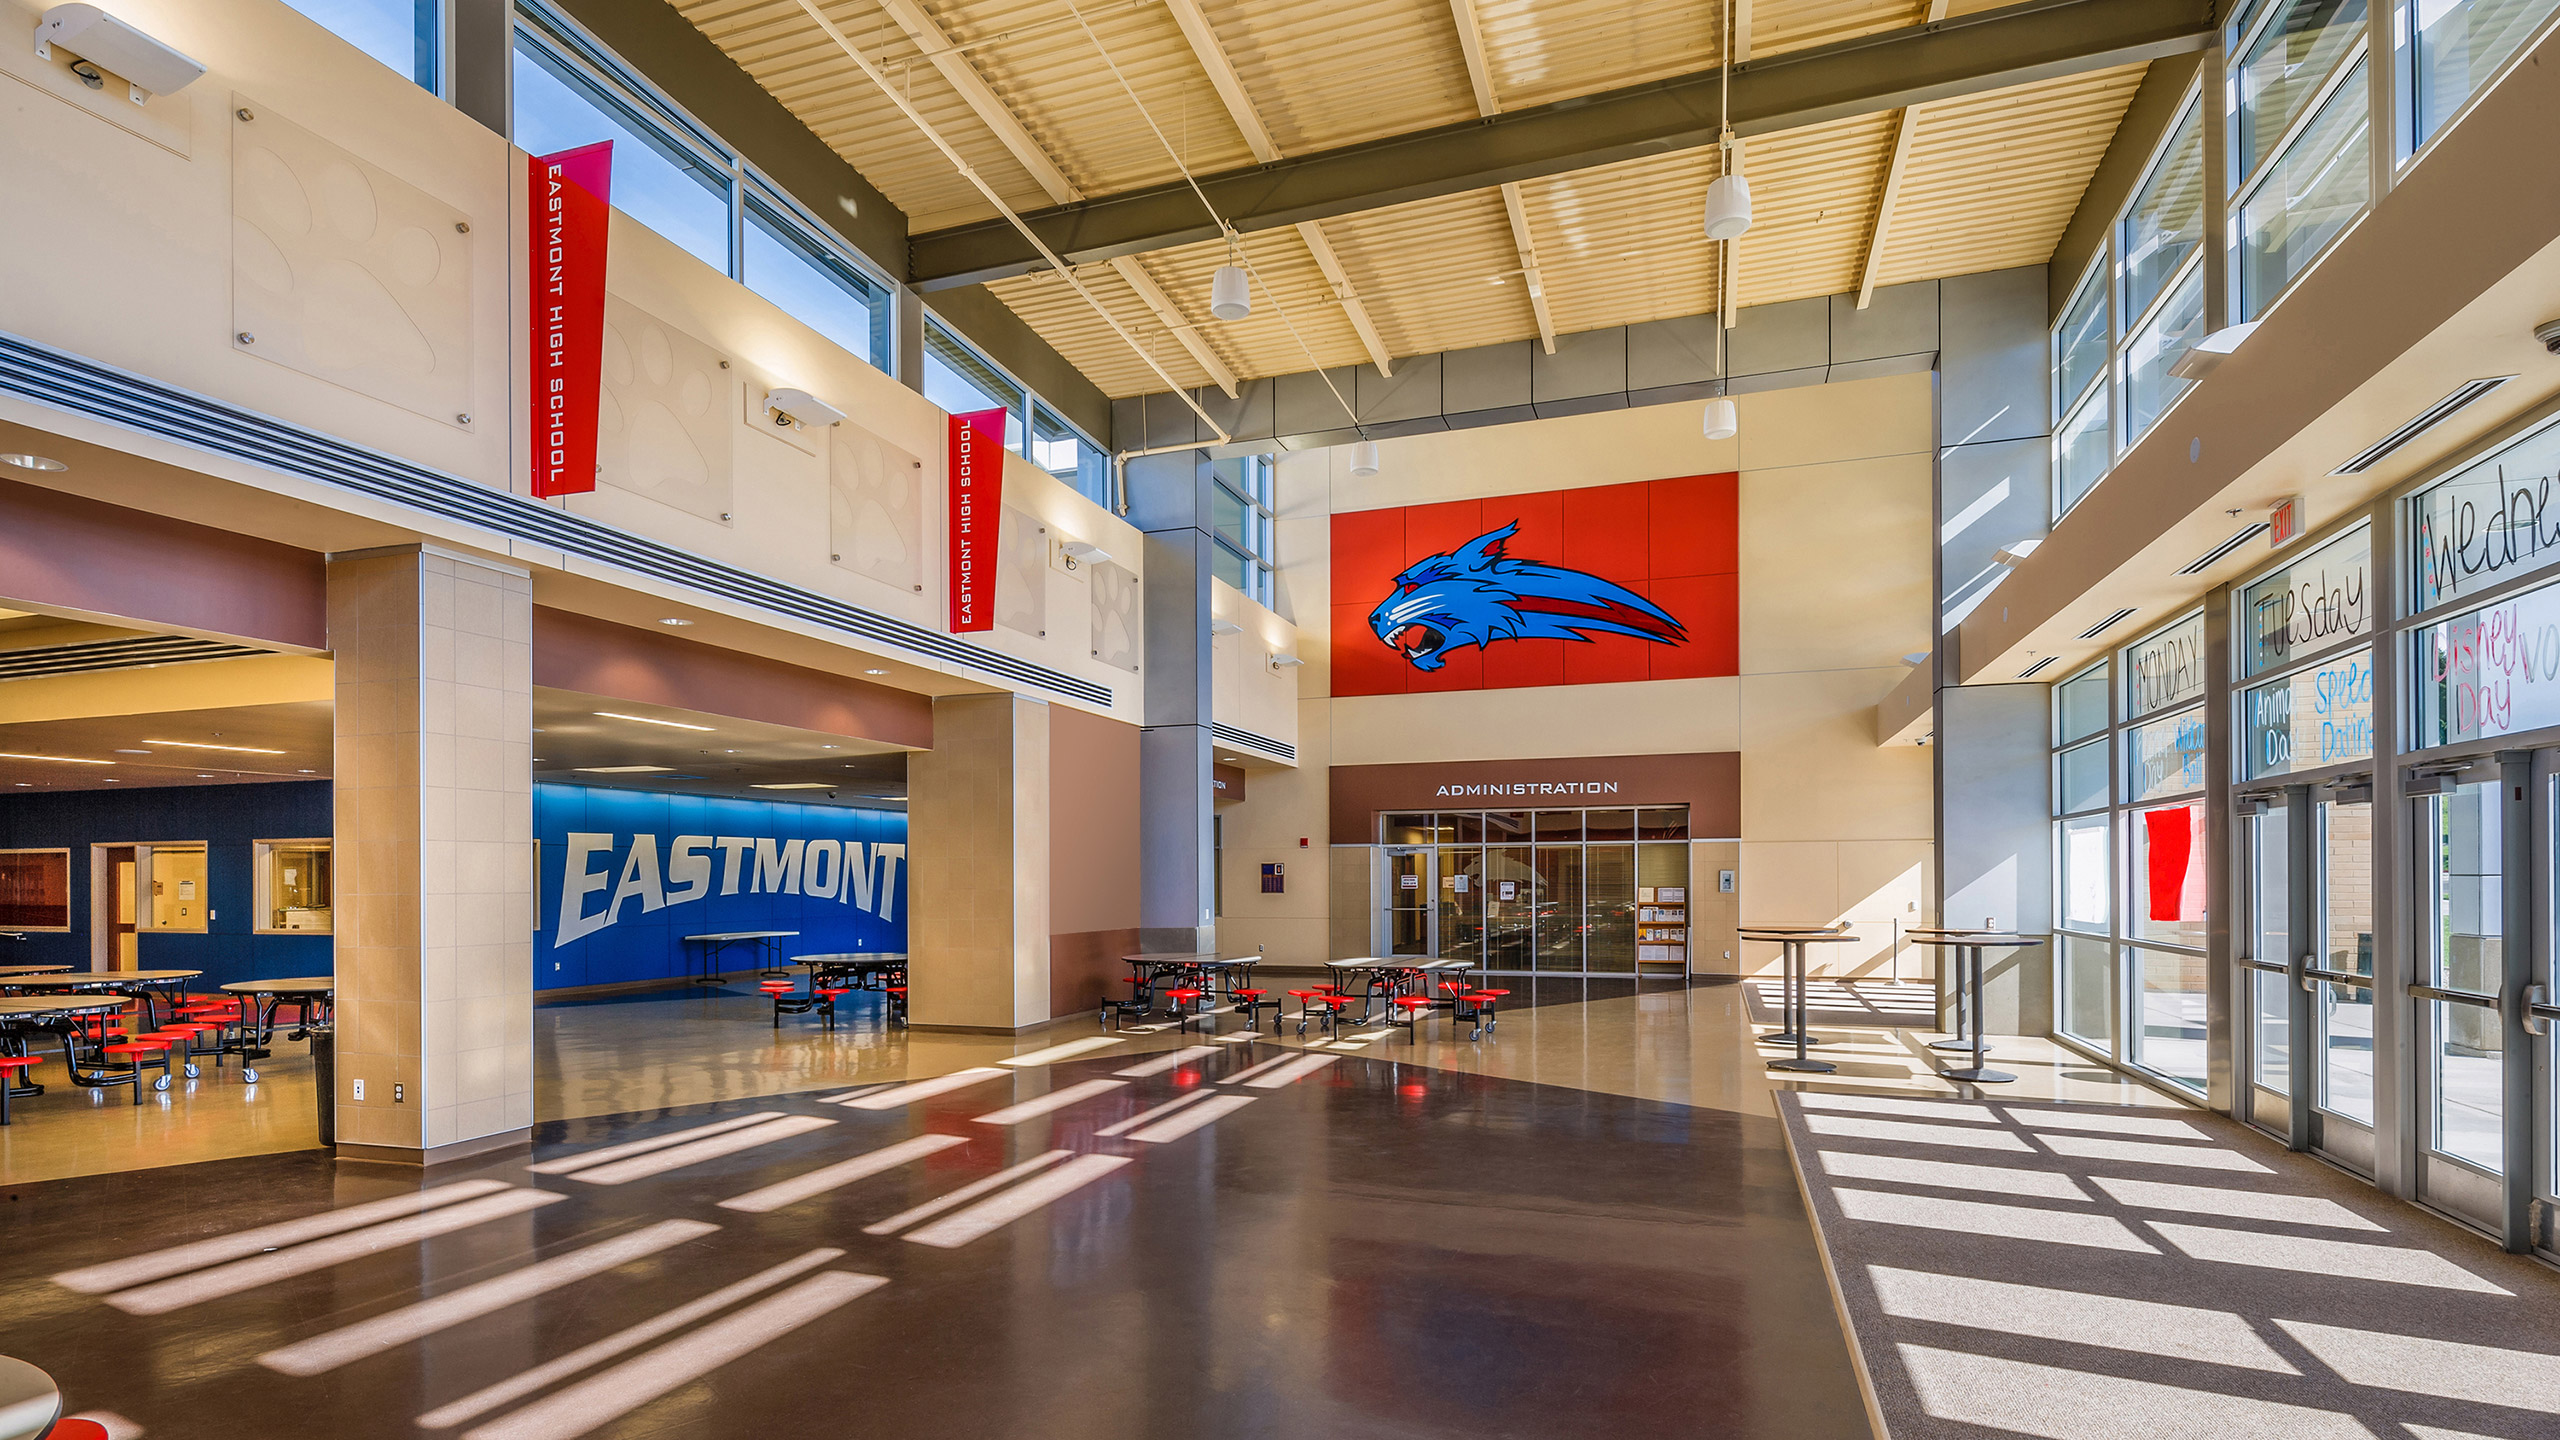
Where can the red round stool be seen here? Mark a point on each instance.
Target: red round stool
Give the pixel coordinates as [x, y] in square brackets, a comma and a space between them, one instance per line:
[188, 1034]
[1251, 1003]
[827, 1002]
[11, 1068]
[78, 1429]
[897, 1003]
[1481, 1004]
[1306, 1006]
[1182, 996]
[131, 1052]
[1414, 1008]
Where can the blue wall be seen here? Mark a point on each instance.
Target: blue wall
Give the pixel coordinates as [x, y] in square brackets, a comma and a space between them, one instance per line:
[648, 869]
[227, 818]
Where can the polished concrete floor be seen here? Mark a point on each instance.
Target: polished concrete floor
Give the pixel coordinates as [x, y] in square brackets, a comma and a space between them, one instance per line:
[1142, 1236]
[1688, 1044]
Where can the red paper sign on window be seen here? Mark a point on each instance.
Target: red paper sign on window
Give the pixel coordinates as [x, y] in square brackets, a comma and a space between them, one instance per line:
[567, 196]
[976, 462]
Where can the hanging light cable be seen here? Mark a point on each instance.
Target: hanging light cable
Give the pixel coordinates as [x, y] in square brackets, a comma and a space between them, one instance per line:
[1729, 194]
[969, 173]
[1365, 451]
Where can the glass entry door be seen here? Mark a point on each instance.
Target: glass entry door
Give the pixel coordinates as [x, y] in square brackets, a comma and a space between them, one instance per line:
[2338, 969]
[1412, 901]
[2480, 1009]
[2269, 980]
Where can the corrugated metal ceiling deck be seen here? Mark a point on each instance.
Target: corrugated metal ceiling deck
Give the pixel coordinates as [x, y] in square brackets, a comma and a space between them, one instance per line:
[1989, 182]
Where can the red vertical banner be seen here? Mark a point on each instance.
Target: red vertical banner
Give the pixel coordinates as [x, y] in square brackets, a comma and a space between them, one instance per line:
[566, 197]
[976, 458]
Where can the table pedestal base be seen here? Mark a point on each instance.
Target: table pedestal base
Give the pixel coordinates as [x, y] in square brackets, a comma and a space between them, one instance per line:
[1789, 1037]
[1809, 1067]
[1978, 1075]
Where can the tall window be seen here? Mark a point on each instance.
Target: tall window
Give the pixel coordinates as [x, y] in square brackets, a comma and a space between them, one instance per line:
[676, 177]
[406, 35]
[2160, 265]
[2083, 445]
[2457, 48]
[959, 379]
[2301, 141]
[1243, 523]
[2129, 851]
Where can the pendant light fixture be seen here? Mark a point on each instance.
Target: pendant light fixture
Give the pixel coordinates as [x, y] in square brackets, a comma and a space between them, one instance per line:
[1364, 458]
[1230, 290]
[1728, 215]
[1729, 194]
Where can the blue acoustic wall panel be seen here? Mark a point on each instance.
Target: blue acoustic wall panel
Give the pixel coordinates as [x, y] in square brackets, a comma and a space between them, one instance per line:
[627, 874]
[229, 819]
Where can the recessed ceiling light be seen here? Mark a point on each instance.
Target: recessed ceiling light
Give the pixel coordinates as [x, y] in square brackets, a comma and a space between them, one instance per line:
[826, 747]
[204, 777]
[674, 620]
[650, 720]
[133, 752]
[308, 772]
[45, 464]
[624, 769]
[202, 745]
[795, 785]
[875, 672]
[56, 759]
[110, 779]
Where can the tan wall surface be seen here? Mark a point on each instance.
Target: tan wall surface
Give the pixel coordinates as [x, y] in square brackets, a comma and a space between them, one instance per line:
[1093, 856]
[1835, 535]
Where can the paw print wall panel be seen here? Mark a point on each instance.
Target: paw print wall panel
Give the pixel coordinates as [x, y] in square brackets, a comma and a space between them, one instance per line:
[875, 507]
[1115, 615]
[1022, 574]
[665, 417]
[346, 272]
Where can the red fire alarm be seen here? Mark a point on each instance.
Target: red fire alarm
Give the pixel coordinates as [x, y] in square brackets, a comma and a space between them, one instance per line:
[1302, 842]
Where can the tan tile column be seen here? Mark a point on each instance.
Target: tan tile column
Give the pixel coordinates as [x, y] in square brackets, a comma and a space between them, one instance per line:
[434, 840]
[978, 867]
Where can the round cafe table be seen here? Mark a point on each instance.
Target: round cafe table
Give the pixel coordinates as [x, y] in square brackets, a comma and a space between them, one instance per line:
[29, 1402]
[310, 992]
[1969, 945]
[1791, 939]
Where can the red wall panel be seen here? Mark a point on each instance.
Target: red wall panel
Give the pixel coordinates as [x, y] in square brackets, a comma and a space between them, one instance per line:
[1673, 542]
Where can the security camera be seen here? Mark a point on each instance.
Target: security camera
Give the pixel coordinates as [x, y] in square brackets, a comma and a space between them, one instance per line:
[799, 407]
[149, 66]
[2548, 332]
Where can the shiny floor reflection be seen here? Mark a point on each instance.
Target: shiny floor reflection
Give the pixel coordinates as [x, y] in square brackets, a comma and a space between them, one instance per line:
[1252, 1240]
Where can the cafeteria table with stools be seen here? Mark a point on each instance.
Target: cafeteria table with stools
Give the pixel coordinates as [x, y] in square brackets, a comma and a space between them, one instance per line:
[30, 1403]
[8, 970]
[1386, 977]
[717, 944]
[884, 971]
[24, 1017]
[147, 986]
[1198, 970]
[314, 995]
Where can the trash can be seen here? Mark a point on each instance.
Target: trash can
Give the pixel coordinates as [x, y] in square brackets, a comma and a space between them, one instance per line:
[324, 1080]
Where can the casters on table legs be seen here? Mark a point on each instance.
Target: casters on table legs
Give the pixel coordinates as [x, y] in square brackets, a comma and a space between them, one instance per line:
[161, 1083]
[193, 1071]
[248, 1074]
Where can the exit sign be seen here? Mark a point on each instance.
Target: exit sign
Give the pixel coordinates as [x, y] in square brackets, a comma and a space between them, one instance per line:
[2284, 524]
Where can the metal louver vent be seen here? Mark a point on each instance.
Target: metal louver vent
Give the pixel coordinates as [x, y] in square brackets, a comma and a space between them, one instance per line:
[2425, 421]
[2030, 672]
[1251, 741]
[84, 387]
[2103, 626]
[135, 653]
[2208, 559]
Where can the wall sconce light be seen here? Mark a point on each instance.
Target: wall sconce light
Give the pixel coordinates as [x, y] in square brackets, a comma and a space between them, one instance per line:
[1225, 627]
[149, 67]
[799, 407]
[1285, 662]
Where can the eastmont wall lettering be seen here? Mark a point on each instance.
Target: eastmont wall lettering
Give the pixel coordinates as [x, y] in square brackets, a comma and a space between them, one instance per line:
[846, 871]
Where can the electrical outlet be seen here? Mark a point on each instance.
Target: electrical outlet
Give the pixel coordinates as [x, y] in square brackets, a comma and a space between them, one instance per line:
[359, 1089]
[399, 1094]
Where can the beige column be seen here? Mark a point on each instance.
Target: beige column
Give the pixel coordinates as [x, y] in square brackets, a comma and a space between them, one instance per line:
[434, 843]
[978, 867]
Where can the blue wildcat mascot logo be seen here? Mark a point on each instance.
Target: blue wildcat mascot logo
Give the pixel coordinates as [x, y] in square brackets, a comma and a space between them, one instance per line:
[1476, 595]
